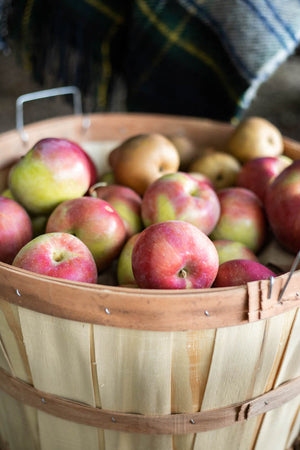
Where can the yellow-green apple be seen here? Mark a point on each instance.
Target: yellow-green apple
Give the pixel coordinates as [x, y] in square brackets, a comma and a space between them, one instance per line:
[15, 229]
[174, 255]
[283, 207]
[241, 271]
[254, 137]
[141, 159]
[58, 255]
[7, 193]
[53, 170]
[95, 222]
[124, 266]
[242, 218]
[107, 178]
[126, 202]
[180, 196]
[220, 167]
[228, 250]
[258, 173]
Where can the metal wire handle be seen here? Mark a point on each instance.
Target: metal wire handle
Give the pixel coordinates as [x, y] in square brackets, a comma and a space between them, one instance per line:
[77, 103]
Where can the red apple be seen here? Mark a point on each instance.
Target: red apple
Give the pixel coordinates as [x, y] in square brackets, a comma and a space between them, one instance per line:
[15, 229]
[241, 271]
[126, 202]
[242, 218]
[58, 255]
[258, 173]
[180, 196]
[174, 255]
[95, 222]
[228, 250]
[54, 170]
[283, 207]
[201, 177]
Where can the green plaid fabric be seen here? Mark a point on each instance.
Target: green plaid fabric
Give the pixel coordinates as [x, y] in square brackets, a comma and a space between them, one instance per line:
[173, 56]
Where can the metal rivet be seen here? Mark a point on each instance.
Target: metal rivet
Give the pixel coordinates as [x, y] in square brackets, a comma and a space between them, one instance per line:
[18, 292]
[113, 420]
[297, 294]
[206, 313]
[107, 311]
[192, 421]
[43, 400]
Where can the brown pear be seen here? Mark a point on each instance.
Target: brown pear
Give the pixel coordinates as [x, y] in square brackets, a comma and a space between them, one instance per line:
[255, 137]
[141, 159]
[186, 148]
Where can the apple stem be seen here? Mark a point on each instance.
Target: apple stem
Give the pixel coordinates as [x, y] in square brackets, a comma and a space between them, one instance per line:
[182, 273]
[92, 189]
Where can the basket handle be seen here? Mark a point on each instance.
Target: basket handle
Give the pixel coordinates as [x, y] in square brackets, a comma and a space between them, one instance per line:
[65, 90]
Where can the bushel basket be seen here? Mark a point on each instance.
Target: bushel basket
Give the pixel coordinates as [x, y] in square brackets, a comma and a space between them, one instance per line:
[93, 367]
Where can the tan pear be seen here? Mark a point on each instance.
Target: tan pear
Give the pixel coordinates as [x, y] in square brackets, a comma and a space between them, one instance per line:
[186, 148]
[141, 159]
[255, 137]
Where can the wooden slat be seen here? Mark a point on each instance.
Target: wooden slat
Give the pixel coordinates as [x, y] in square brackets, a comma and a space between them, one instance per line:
[153, 424]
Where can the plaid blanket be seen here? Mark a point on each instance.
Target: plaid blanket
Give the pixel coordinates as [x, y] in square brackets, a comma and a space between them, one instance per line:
[204, 58]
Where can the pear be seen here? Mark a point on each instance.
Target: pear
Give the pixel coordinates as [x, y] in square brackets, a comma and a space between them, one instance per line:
[255, 137]
[186, 148]
[141, 159]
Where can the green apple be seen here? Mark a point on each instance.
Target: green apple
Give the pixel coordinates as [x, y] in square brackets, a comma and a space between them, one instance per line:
[54, 170]
[124, 267]
[228, 250]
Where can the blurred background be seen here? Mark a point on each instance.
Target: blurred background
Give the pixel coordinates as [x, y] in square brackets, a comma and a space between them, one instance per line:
[277, 100]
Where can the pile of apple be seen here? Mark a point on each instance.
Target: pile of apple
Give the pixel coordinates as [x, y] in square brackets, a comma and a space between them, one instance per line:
[167, 216]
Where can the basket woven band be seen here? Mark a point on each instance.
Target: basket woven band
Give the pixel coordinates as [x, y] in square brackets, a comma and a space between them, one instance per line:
[182, 423]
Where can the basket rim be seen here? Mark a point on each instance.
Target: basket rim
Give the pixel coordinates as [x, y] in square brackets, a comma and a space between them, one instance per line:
[148, 309]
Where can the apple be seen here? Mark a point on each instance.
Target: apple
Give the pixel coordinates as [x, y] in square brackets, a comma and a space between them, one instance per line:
[228, 250]
[174, 255]
[126, 202]
[283, 207]
[141, 159]
[15, 229]
[7, 193]
[242, 218]
[179, 196]
[241, 271]
[39, 224]
[201, 177]
[107, 178]
[125, 275]
[254, 137]
[59, 255]
[54, 170]
[220, 167]
[258, 173]
[95, 222]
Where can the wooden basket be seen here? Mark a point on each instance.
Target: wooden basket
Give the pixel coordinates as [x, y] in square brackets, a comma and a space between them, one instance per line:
[103, 367]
